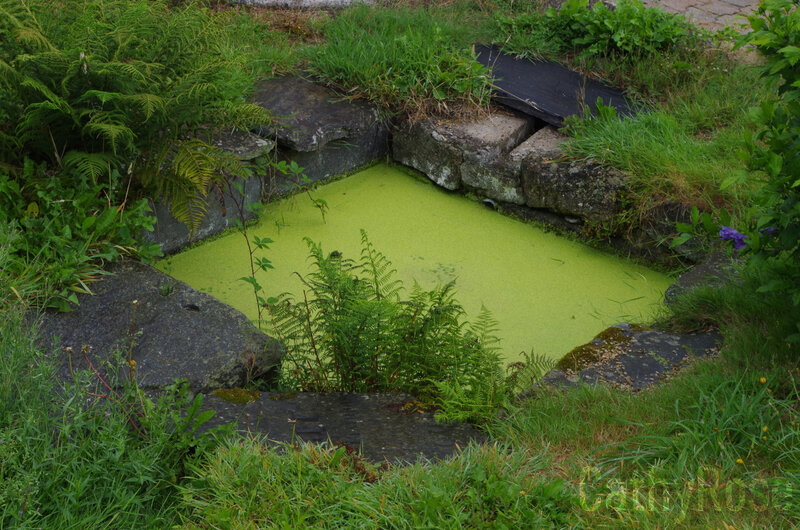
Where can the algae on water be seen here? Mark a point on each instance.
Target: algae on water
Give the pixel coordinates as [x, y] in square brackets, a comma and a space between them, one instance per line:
[548, 293]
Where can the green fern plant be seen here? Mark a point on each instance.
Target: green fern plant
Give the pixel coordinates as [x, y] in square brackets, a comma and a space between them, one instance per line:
[352, 331]
[119, 85]
[104, 103]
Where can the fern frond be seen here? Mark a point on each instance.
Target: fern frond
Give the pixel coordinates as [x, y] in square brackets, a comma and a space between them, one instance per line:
[378, 269]
[485, 329]
[111, 128]
[92, 165]
[116, 70]
[33, 38]
[189, 207]
[523, 375]
[55, 102]
[43, 65]
[149, 104]
[100, 95]
[194, 167]
[9, 75]
[239, 115]
[195, 161]
[202, 90]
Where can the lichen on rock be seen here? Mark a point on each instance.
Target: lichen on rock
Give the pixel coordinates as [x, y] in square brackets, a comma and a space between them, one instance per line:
[237, 395]
[604, 345]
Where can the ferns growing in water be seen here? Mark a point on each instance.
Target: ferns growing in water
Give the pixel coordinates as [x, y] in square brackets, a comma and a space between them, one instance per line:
[353, 332]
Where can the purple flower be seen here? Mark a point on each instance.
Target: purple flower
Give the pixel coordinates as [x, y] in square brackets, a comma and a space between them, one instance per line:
[727, 233]
[769, 231]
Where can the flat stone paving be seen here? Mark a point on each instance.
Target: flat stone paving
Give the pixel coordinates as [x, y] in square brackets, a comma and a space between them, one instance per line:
[635, 358]
[383, 427]
[709, 14]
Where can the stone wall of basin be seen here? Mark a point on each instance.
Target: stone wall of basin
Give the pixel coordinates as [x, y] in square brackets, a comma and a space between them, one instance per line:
[507, 159]
[514, 164]
[314, 127]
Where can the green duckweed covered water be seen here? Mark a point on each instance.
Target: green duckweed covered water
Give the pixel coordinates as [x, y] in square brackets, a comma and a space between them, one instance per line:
[547, 293]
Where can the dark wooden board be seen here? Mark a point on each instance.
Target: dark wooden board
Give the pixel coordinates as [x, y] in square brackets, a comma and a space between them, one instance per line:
[547, 90]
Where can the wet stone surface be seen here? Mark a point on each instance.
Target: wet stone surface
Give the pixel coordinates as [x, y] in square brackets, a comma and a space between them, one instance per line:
[178, 332]
[383, 427]
[716, 269]
[310, 116]
[636, 358]
[318, 130]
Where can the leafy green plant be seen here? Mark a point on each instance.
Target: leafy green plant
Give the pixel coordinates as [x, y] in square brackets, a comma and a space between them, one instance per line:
[775, 150]
[629, 30]
[233, 188]
[60, 230]
[770, 232]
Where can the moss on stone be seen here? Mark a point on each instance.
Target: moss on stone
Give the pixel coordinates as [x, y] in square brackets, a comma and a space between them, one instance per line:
[282, 396]
[237, 395]
[603, 343]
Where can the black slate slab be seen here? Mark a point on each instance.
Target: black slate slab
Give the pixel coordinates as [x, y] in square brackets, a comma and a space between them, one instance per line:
[375, 424]
[547, 90]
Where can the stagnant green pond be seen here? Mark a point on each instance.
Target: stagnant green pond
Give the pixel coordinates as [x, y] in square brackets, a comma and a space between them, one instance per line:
[547, 293]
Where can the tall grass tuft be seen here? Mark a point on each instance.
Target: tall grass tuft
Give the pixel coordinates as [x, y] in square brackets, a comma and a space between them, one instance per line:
[72, 459]
[244, 484]
[404, 60]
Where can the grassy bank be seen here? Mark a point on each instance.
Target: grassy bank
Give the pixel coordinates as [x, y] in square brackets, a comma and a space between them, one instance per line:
[719, 444]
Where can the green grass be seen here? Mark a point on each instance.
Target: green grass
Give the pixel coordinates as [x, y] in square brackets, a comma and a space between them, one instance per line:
[686, 147]
[408, 61]
[717, 444]
[72, 459]
[243, 484]
[669, 455]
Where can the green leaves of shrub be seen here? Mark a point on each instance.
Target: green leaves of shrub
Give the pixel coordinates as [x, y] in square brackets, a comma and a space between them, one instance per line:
[775, 150]
[629, 30]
